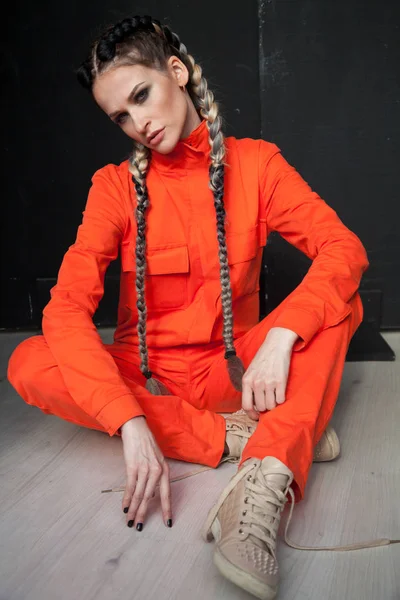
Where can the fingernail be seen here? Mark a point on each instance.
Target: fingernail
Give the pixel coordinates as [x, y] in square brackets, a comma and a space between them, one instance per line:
[139, 526]
[126, 509]
[130, 523]
[169, 522]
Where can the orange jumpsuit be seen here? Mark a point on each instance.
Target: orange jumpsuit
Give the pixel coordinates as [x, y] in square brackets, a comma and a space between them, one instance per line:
[70, 373]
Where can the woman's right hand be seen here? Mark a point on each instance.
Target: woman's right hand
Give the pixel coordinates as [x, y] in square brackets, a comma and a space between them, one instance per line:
[145, 468]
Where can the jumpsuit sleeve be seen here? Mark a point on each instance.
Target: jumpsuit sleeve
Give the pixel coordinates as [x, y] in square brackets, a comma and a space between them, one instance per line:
[88, 369]
[307, 222]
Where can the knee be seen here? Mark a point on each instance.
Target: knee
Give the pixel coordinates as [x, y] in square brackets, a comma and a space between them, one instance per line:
[21, 365]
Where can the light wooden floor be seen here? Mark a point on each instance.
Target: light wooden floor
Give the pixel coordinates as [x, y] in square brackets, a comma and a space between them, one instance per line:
[62, 539]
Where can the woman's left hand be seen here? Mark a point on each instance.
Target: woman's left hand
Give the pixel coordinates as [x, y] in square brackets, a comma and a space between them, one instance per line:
[264, 382]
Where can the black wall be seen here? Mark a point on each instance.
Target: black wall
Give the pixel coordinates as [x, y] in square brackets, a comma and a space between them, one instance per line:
[330, 99]
[55, 137]
[328, 76]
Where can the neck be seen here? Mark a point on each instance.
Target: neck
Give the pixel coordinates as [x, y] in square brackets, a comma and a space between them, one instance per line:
[190, 152]
[192, 120]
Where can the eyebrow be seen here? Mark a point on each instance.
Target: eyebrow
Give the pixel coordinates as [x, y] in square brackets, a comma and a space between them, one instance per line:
[130, 99]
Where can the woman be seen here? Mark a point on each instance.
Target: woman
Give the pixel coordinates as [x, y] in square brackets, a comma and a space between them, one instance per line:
[189, 344]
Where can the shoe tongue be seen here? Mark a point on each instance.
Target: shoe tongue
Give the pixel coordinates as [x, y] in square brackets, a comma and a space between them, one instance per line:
[276, 473]
[277, 480]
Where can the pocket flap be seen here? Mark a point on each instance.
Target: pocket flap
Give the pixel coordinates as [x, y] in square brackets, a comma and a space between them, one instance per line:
[128, 256]
[160, 261]
[244, 245]
[167, 260]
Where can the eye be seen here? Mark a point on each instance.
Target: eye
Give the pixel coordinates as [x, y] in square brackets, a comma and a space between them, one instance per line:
[142, 95]
[121, 118]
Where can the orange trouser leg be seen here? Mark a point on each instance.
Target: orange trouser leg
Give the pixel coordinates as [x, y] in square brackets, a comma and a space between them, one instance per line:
[182, 431]
[290, 431]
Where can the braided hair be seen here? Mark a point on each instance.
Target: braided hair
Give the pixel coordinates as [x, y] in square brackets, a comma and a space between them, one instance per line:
[144, 41]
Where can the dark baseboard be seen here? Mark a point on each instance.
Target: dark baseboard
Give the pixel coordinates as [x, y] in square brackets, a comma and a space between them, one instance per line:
[368, 344]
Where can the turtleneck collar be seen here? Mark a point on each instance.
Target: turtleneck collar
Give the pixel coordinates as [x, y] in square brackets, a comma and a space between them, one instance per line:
[188, 152]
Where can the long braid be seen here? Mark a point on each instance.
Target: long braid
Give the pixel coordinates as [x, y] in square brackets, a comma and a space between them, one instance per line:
[204, 101]
[103, 52]
[139, 165]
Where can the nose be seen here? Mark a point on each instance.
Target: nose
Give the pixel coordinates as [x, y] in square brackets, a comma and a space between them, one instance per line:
[142, 126]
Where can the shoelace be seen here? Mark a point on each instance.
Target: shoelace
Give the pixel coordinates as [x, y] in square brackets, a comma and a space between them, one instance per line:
[357, 546]
[243, 471]
[256, 524]
[279, 499]
[239, 430]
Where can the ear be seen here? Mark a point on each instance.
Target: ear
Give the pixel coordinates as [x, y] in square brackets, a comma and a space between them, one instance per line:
[178, 70]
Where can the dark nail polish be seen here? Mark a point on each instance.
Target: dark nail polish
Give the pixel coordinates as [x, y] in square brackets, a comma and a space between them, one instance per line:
[126, 509]
[139, 526]
[169, 522]
[130, 523]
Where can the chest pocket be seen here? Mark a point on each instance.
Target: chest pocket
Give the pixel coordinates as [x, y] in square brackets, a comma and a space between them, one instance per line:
[245, 250]
[167, 275]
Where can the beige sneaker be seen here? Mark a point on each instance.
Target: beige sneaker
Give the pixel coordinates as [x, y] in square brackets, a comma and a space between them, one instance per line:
[244, 523]
[239, 428]
[328, 447]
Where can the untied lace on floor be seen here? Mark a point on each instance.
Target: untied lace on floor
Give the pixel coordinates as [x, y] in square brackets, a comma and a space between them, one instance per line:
[245, 470]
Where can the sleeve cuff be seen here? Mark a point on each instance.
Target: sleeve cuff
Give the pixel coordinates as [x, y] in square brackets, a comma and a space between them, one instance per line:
[117, 412]
[302, 322]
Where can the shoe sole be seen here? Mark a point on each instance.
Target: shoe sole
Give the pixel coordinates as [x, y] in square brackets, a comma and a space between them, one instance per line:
[243, 579]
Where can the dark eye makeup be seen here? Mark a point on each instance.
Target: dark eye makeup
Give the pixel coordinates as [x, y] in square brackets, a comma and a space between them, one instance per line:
[139, 98]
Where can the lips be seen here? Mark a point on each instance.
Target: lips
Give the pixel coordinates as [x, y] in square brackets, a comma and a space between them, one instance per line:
[153, 135]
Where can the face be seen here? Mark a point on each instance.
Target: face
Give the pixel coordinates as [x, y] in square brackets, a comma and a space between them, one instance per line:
[141, 101]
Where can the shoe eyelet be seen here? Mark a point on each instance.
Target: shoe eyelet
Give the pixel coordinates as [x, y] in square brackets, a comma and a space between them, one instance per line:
[240, 522]
[240, 530]
[244, 513]
[245, 500]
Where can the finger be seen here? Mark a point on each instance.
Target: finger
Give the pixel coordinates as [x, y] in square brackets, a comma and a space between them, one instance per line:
[254, 414]
[247, 395]
[155, 474]
[165, 495]
[259, 395]
[280, 393]
[138, 494]
[270, 401]
[131, 479]
[248, 400]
